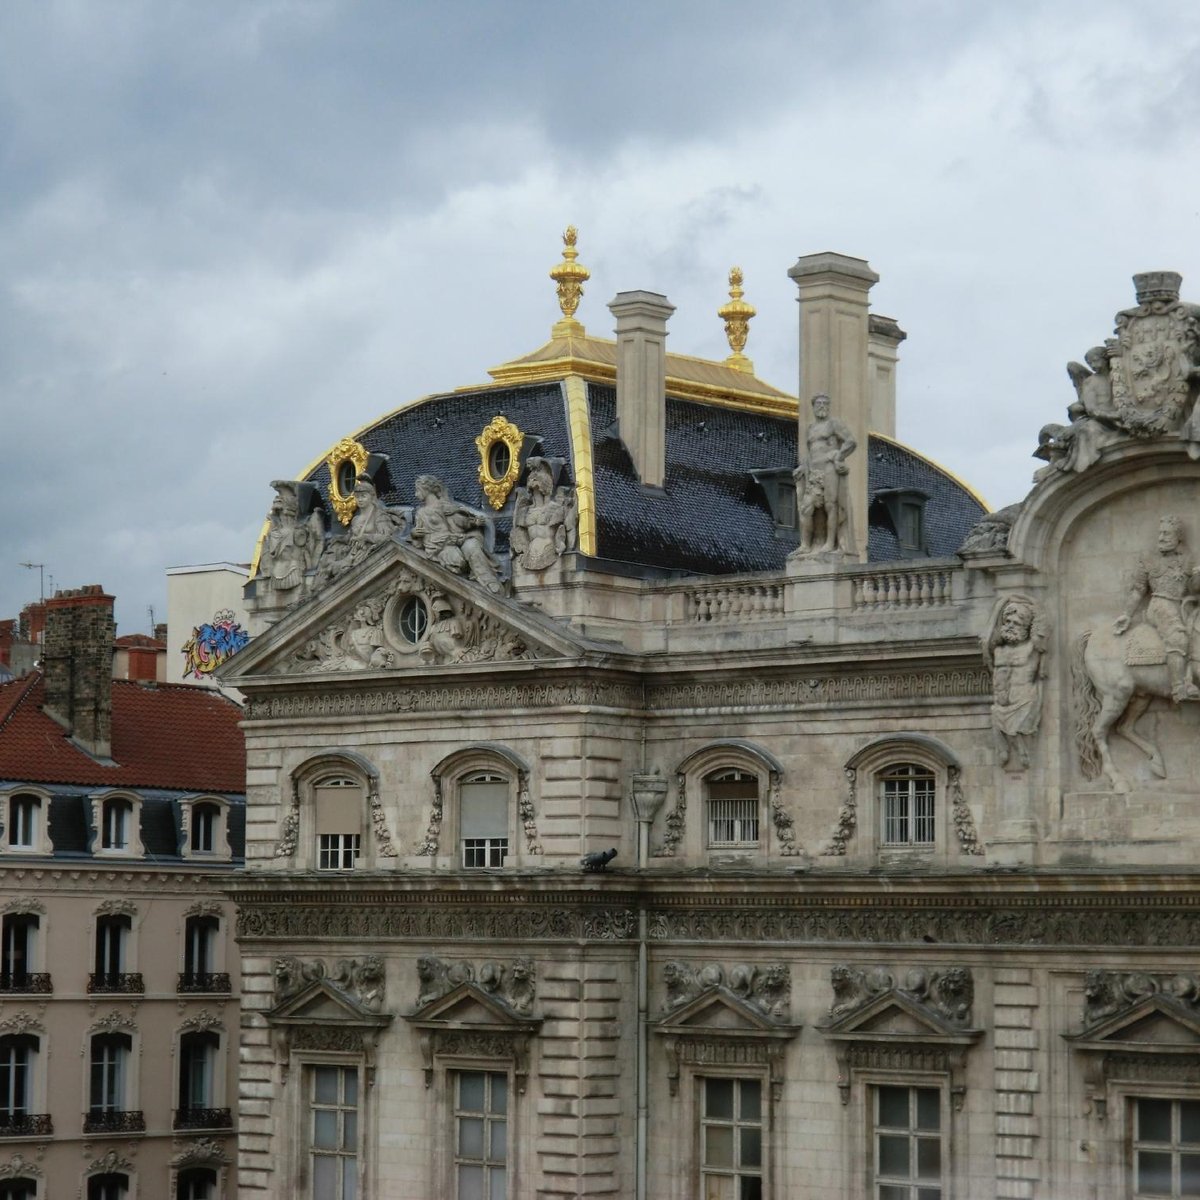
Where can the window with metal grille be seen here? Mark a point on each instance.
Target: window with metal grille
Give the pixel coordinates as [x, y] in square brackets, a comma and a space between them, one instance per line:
[333, 1132]
[483, 799]
[480, 1135]
[731, 1141]
[908, 1143]
[908, 796]
[1166, 1148]
[338, 802]
[731, 800]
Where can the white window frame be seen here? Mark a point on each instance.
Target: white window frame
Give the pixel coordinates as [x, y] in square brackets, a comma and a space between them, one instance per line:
[103, 806]
[28, 1103]
[122, 925]
[31, 922]
[209, 928]
[217, 808]
[120, 1077]
[497, 851]
[37, 839]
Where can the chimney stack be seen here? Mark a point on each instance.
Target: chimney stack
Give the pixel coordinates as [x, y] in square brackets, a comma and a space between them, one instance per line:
[883, 353]
[834, 346]
[77, 661]
[642, 380]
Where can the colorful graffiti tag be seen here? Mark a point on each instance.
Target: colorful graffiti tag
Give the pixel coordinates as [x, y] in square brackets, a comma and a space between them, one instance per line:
[211, 644]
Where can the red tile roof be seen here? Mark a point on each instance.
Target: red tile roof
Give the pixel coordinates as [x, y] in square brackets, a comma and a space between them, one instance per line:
[167, 736]
[126, 640]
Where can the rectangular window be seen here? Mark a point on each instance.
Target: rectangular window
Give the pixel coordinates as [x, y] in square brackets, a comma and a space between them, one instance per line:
[732, 809]
[483, 820]
[333, 1132]
[111, 934]
[16, 950]
[204, 827]
[116, 825]
[337, 851]
[108, 1074]
[480, 1135]
[14, 1079]
[1166, 1148]
[908, 1143]
[731, 1149]
[909, 794]
[23, 813]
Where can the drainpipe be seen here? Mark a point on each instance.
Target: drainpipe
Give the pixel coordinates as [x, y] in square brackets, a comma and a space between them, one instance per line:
[649, 790]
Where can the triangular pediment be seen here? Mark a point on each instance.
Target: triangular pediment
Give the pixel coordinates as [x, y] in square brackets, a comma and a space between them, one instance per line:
[398, 611]
[717, 1010]
[1152, 1022]
[323, 1003]
[469, 1006]
[895, 1016]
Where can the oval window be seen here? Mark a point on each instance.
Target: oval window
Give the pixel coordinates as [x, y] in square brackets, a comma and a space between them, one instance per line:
[499, 459]
[347, 477]
[414, 620]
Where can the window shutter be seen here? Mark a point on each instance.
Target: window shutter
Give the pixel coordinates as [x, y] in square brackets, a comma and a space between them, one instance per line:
[483, 810]
[339, 809]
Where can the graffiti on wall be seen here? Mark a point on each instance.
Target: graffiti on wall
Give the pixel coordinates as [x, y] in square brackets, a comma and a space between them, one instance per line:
[211, 644]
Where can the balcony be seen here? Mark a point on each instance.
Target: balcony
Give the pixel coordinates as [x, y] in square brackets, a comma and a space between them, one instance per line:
[203, 1118]
[108, 982]
[113, 1121]
[25, 1125]
[210, 982]
[25, 982]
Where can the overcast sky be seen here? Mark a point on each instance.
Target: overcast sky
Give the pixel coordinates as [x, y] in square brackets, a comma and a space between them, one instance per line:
[230, 233]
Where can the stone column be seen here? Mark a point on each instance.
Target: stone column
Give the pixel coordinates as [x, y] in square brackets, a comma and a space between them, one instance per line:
[834, 341]
[642, 380]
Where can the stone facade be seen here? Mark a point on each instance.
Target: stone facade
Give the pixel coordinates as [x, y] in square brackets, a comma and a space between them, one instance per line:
[903, 894]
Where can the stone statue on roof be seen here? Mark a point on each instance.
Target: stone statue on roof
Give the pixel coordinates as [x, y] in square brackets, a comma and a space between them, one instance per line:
[544, 518]
[293, 543]
[452, 534]
[822, 492]
[372, 524]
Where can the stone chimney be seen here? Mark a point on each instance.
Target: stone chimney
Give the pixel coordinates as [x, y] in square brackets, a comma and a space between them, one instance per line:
[883, 347]
[77, 659]
[834, 347]
[642, 380]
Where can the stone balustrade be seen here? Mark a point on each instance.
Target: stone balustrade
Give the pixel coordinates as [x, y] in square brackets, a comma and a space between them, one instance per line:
[894, 588]
[737, 600]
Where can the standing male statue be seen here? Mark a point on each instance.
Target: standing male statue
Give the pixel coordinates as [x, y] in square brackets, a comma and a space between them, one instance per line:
[821, 483]
[1016, 649]
[1165, 581]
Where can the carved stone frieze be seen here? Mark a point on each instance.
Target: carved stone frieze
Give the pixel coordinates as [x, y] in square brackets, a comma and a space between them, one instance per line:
[960, 814]
[1150, 921]
[525, 811]
[903, 1058]
[675, 821]
[21, 1023]
[116, 908]
[383, 839]
[946, 992]
[204, 1021]
[714, 1051]
[327, 1037]
[201, 1152]
[107, 1163]
[23, 904]
[204, 908]
[433, 831]
[783, 821]
[767, 989]
[499, 1046]
[746, 695]
[514, 983]
[1107, 993]
[112, 1021]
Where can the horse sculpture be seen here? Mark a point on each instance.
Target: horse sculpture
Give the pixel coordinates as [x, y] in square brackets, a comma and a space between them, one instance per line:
[1112, 694]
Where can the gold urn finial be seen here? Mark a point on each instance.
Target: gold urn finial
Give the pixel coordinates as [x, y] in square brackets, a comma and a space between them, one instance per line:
[570, 277]
[737, 314]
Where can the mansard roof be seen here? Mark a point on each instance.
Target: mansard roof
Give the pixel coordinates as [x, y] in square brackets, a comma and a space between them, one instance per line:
[163, 736]
[712, 517]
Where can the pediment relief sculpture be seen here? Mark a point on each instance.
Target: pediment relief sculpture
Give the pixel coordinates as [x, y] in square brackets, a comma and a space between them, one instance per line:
[545, 518]
[359, 980]
[1016, 651]
[411, 621]
[1150, 650]
[1115, 994]
[767, 990]
[1141, 383]
[942, 996]
[514, 984]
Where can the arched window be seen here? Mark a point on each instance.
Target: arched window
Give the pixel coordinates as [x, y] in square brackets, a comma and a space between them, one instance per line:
[18, 1189]
[18, 954]
[907, 805]
[109, 1083]
[196, 1183]
[731, 805]
[24, 823]
[113, 1185]
[483, 818]
[198, 1059]
[116, 824]
[338, 811]
[201, 946]
[206, 826]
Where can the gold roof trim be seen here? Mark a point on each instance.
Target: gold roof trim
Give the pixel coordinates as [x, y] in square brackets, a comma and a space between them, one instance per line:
[579, 422]
[937, 466]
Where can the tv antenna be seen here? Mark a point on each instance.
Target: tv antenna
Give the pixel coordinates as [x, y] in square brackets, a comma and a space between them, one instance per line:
[41, 570]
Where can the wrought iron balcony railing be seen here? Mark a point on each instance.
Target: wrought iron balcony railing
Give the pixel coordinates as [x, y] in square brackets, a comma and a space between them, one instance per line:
[114, 1121]
[115, 981]
[22, 1125]
[25, 981]
[204, 981]
[203, 1118]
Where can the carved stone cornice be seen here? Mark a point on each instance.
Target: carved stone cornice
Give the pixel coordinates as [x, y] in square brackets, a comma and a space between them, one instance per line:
[202, 1152]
